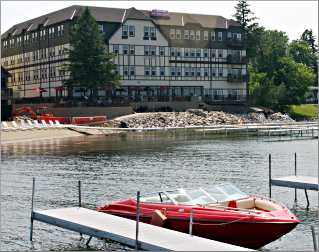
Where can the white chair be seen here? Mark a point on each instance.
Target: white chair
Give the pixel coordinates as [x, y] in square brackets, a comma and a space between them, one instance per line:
[38, 125]
[44, 124]
[16, 126]
[4, 126]
[51, 124]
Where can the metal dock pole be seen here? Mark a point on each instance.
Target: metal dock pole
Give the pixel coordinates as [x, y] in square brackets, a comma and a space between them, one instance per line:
[80, 203]
[295, 175]
[32, 199]
[269, 174]
[191, 222]
[137, 219]
[314, 238]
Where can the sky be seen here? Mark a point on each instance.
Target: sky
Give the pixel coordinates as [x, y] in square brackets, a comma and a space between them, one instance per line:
[292, 17]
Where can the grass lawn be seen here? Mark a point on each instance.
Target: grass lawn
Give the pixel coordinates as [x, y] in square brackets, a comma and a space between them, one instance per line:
[303, 111]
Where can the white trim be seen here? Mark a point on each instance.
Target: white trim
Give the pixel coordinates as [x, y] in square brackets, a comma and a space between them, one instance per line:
[182, 20]
[226, 24]
[46, 22]
[123, 16]
[29, 27]
[73, 14]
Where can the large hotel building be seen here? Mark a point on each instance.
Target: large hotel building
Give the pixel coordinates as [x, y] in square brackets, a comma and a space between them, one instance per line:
[159, 55]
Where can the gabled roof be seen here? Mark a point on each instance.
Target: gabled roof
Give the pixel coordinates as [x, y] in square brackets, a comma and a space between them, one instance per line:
[116, 15]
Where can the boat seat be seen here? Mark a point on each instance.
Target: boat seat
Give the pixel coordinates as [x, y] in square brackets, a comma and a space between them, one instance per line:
[246, 203]
[181, 198]
[266, 205]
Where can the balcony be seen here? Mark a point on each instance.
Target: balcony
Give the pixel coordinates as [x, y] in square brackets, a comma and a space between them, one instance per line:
[235, 59]
[234, 43]
[235, 78]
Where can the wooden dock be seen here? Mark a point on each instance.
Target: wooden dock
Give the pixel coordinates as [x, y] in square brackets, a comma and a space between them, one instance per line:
[122, 230]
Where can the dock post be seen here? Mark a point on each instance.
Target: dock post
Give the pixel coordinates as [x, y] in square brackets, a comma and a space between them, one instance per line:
[80, 203]
[269, 174]
[32, 199]
[295, 175]
[314, 238]
[307, 207]
[79, 189]
[137, 219]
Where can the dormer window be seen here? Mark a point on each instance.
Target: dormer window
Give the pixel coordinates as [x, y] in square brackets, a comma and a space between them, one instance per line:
[172, 33]
[197, 35]
[212, 35]
[153, 33]
[186, 34]
[146, 33]
[191, 35]
[124, 32]
[205, 35]
[100, 28]
[131, 31]
[178, 34]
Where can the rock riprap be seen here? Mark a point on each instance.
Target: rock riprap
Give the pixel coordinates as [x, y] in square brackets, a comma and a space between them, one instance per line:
[193, 117]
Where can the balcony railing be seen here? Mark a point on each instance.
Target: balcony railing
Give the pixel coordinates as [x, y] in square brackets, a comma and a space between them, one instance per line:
[237, 59]
[234, 42]
[236, 78]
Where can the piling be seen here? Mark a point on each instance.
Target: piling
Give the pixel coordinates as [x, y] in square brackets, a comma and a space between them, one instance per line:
[314, 238]
[79, 190]
[137, 219]
[32, 199]
[269, 174]
[295, 175]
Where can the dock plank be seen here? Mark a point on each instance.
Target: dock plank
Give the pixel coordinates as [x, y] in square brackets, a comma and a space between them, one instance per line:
[299, 182]
[122, 230]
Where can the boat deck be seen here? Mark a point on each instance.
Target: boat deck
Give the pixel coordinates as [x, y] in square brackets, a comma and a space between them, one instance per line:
[106, 226]
[298, 182]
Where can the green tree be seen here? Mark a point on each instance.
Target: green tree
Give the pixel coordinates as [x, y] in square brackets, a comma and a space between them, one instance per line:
[310, 39]
[300, 51]
[90, 65]
[296, 77]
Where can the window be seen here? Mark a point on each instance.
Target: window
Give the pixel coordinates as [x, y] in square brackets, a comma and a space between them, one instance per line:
[146, 50]
[191, 35]
[146, 32]
[178, 34]
[172, 33]
[178, 52]
[100, 28]
[186, 34]
[186, 52]
[173, 51]
[220, 36]
[162, 51]
[198, 72]
[198, 52]
[162, 71]
[220, 53]
[193, 71]
[214, 71]
[172, 71]
[212, 35]
[147, 71]
[205, 35]
[116, 49]
[60, 30]
[125, 71]
[124, 31]
[153, 33]
[229, 35]
[192, 52]
[206, 72]
[239, 36]
[220, 72]
[178, 71]
[117, 70]
[186, 71]
[213, 52]
[132, 49]
[153, 71]
[125, 49]
[205, 53]
[197, 35]
[153, 50]
[132, 70]
[131, 30]
[52, 72]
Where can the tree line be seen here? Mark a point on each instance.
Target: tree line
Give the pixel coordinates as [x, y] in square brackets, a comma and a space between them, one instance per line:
[280, 72]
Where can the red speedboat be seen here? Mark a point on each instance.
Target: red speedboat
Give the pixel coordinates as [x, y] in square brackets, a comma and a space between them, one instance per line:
[220, 212]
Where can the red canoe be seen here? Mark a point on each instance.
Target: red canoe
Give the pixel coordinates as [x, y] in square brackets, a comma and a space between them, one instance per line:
[221, 213]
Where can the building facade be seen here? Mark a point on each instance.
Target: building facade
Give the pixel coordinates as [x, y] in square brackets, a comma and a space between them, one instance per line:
[159, 55]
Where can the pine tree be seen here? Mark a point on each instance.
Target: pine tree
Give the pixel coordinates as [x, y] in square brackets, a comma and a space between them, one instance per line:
[90, 66]
[244, 16]
[310, 39]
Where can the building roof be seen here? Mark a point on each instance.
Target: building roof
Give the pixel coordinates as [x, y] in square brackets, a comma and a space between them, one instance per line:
[118, 16]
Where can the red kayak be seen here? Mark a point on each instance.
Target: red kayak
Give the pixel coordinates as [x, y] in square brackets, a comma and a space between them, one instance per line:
[221, 212]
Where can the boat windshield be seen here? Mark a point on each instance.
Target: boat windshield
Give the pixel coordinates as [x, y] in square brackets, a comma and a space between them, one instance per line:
[202, 196]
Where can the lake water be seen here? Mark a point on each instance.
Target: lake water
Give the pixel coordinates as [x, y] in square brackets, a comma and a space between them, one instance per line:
[113, 168]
